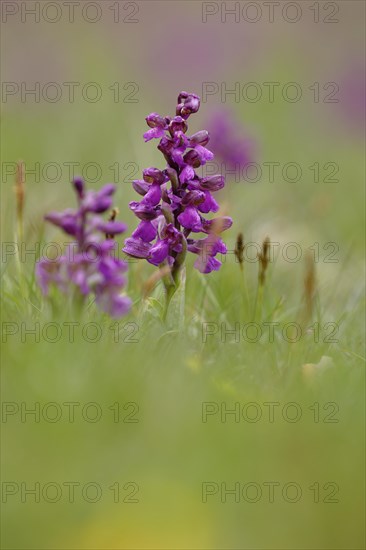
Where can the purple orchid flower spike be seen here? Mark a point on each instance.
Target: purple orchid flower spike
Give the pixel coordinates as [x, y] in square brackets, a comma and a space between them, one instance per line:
[175, 199]
[233, 148]
[88, 265]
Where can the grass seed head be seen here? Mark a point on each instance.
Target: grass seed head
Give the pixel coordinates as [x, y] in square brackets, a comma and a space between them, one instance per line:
[263, 258]
[239, 249]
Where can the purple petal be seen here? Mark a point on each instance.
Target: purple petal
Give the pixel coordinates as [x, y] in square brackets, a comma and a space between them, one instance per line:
[213, 183]
[177, 124]
[153, 195]
[107, 190]
[193, 198]
[113, 304]
[154, 120]
[154, 175]
[112, 228]
[219, 224]
[193, 158]
[187, 104]
[206, 265]
[105, 247]
[209, 204]
[187, 174]
[67, 220]
[219, 247]
[190, 219]
[79, 185]
[43, 274]
[199, 138]
[177, 156]
[159, 252]
[137, 248]
[144, 211]
[97, 202]
[78, 276]
[154, 133]
[140, 186]
[172, 235]
[111, 269]
[204, 154]
[145, 231]
[166, 145]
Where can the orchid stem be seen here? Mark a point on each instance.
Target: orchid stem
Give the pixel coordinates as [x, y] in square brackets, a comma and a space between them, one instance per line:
[169, 293]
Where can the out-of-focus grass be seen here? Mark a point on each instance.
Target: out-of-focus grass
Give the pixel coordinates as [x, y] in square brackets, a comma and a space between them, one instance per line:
[170, 451]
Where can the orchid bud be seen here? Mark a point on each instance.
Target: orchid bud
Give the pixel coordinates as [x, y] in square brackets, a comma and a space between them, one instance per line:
[200, 138]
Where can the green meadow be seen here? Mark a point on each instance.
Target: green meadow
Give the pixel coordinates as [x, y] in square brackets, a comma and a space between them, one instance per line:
[236, 422]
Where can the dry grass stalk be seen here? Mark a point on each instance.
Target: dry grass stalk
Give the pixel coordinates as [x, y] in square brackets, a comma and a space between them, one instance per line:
[309, 286]
[263, 258]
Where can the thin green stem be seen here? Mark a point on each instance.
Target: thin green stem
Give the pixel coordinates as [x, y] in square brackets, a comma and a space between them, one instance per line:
[257, 313]
[169, 293]
[245, 293]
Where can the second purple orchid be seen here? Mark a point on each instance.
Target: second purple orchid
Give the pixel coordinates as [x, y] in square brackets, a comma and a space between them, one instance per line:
[88, 265]
[175, 199]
